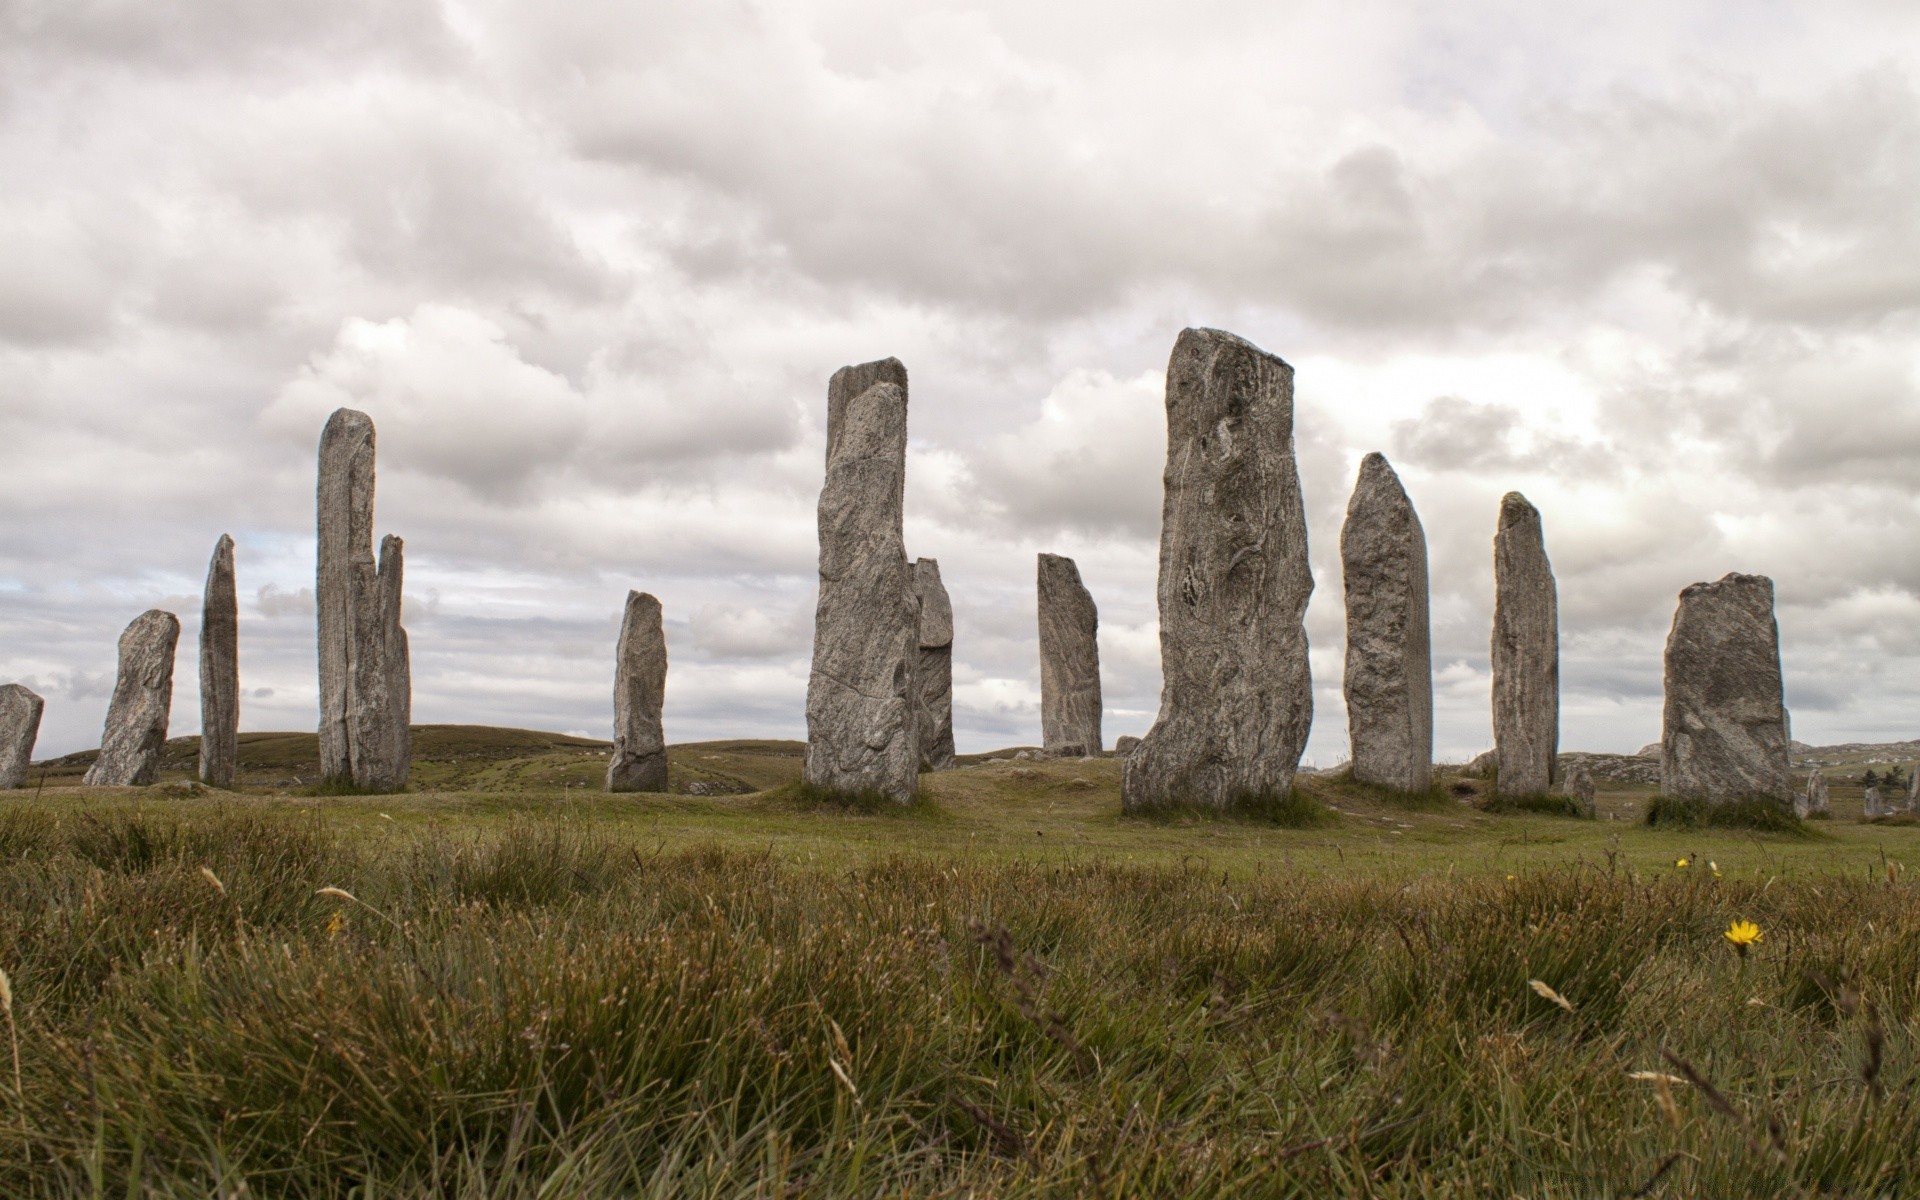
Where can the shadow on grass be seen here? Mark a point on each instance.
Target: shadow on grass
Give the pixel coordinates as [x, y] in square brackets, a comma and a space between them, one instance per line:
[811, 797]
[1293, 810]
[1545, 804]
[1758, 813]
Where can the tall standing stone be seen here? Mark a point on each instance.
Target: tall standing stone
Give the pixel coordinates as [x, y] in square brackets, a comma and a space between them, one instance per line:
[1814, 801]
[639, 761]
[220, 671]
[1236, 698]
[365, 679]
[136, 730]
[1873, 805]
[1724, 728]
[862, 692]
[1389, 677]
[20, 711]
[1069, 661]
[1526, 653]
[935, 718]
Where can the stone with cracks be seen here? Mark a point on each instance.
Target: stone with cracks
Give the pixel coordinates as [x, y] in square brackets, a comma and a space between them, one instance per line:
[136, 730]
[639, 761]
[1725, 718]
[220, 671]
[1236, 697]
[1525, 652]
[1814, 801]
[935, 673]
[1389, 676]
[862, 692]
[1069, 661]
[20, 711]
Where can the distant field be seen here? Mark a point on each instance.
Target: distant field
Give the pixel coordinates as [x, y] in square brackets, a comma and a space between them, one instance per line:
[525, 987]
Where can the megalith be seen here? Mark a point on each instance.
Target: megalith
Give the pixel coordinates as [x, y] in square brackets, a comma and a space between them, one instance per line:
[934, 720]
[1814, 801]
[1069, 661]
[1124, 744]
[639, 760]
[1525, 654]
[136, 729]
[365, 678]
[862, 692]
[1874, 805]
[1236, 696]
[1389, 676]
[20, 711]
[1579, 787]
[220, 671]
[1724, 725]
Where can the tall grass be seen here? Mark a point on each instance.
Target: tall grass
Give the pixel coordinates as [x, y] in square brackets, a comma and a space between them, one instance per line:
[550, 1012]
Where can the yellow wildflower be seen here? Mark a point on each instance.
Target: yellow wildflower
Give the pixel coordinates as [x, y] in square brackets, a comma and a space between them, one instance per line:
[1742, 934]
[336, 923]
[1680, 862]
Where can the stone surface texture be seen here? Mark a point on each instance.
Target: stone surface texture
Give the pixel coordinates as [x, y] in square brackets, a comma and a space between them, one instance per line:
[365, 676]
[1814, 801]
[1873, 804]
[20, 711]
[1389, 675]
[1069, 661]
[1124, 744]
[1236, 698]
[136, 729]
[1525, 653]
[1579, 786]
[1724, 727]
[220, 671]
[862, 692]
[934, 720]
[639, 759]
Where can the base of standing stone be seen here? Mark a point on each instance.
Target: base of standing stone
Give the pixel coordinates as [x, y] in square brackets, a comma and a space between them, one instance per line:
[637, 772]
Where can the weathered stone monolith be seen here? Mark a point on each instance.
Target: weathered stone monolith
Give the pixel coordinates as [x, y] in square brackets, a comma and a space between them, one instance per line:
[639, 761]
[1814, 801]
[862, 692]
[136, 729]
[220, 671]
[1579, 787]
[1526, 653]
[365, 677]
[1873, 804]
[1724, 729]
[1124, 744]
[1069, 661]
[1236, 697]
[935, 718]
[1913, 789]
[20, 711]
[1389, 677]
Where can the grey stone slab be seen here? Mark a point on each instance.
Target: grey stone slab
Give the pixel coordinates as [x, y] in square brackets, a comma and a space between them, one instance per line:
[1525, 653]
[934, 720]
[1389, 669]
[20, 711]
[1724, 728]
[639, 759]
[136, 728]
[1070, 706]
[345, 569]
[220, 671]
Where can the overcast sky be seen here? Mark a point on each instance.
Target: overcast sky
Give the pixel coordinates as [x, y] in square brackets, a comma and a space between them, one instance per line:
[588, 267]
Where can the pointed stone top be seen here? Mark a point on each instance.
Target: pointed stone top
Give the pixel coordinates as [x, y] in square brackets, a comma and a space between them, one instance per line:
[936, 610]
[1515, 509]
[1375, 472]
[224, 545]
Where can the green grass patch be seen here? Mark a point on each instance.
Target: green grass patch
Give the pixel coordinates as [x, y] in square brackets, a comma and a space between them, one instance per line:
[811, 797]
[343, 785]
[1342, 783]
[1545, 804]
[1292, 810]
[1756, 813]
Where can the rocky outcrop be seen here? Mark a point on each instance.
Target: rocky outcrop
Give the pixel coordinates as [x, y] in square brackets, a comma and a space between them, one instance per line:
[1725, 718]
[20, 711]
[934, 720]
[365, 678]
[1236, 698]
[1069, 661]
[1525, 653]
[1389, 671]
[220, 671]
[862, 692]
[639, 759]
[136, 729]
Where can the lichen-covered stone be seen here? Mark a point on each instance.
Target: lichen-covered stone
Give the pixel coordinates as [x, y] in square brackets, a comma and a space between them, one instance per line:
[934, 720]
[1124, 745]
[1236, 697]
[20, 711]
[1525, 653]
[1725, 718]
[1069, 661]
[1389, 674]
[639, 760]
[220, 671]
[862, 692]
[136, 729]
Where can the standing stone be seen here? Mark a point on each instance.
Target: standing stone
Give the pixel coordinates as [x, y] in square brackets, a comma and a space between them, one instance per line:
[1725, 719]
[1913, 789]
[1814, 801]
[1389, 678]
[1526, 653]
[1236, 697]
[935, 718]
[365, 678]
[136, 730]
[1069, 661]
[19, 727]
[1579, 786]
[639, 762]
[1124, 744]
[1873, 805]
[220, 671]
[862, 693]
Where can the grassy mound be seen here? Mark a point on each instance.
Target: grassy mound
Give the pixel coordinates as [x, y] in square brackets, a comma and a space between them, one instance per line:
[1758, 813]
[1547, 804]
[1294, 810]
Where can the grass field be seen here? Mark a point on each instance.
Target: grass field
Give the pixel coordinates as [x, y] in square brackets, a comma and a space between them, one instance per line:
[508, 984]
